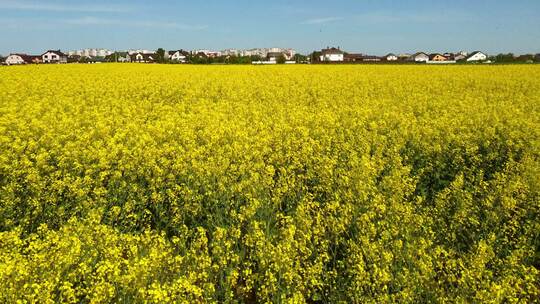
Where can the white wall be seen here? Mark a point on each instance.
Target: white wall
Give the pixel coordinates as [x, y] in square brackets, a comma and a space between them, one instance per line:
[332, 57]
[52, 57]
[178, 57]
[421, 58]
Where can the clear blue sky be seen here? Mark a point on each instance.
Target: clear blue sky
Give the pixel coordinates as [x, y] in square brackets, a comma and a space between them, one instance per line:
[367, 26]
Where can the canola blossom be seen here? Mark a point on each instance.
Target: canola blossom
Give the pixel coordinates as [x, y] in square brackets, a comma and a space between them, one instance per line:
[276, 184]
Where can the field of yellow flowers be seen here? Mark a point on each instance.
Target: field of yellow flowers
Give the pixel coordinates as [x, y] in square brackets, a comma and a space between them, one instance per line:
[284, 184]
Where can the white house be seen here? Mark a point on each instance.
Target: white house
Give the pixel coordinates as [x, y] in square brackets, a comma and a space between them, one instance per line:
[458, 57]
[390, 57]
[143, 58]
[332, 55]
[420, 57]
[477, 56]
[178, 56]
[54, 57]
[13, 59]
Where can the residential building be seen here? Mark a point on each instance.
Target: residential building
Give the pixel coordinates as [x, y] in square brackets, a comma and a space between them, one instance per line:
[353, 57]
[178, 56]
[54, 56]
[274, 56]
[477, 56]
[74, 58]
[449, 56]
[420, 57]
[207, 53]
[370, 58]
[142, 51]
[459, 57]
[332, 55]
[121, 56]
[231, 52]
[143, 58]
[404, 57]
[390, 57]
[90, 53]
[437, 57]
[14, 59]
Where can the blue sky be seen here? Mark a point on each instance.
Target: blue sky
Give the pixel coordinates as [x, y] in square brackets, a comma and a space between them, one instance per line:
[366, 26]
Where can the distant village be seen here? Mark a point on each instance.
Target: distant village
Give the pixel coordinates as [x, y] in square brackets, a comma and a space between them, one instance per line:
[258, 56]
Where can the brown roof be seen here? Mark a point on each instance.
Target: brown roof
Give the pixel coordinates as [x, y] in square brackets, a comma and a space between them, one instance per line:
[181, 52]
[431, 56]
[146, 57]
[28, 58]
[333, 50]
[57, 52]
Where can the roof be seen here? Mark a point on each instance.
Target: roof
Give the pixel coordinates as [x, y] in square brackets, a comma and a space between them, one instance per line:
[57, 52]
[329, 51]
[145, 56]
[431, 56]
[475, 53]
[353, 56]
[420, 53]
[370, 57]
[27, 58]
[388, 55]
[181, 52]
[275, 54]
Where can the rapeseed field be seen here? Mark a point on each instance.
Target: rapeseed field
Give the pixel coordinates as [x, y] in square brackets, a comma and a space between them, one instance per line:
[276, 184]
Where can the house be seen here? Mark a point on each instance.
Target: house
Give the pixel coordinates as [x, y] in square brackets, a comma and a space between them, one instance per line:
[332, 55]
[275, 56]
[390, 57]
[449, 56]
[370, 58]
[14, 59]
[74, 58]
[420, 57]
[460, 57]
[404, 57]
[437, 57]
[352, 57]
[142, 58]
[178, 56]
[477, 56]
[52, 56]
[118, 57]
[537, 58]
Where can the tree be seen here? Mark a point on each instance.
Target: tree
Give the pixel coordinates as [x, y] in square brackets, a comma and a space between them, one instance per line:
[160, 55]
[316, 56]
[281, 59]
[299, 58]
[255, 58]
[505, 58]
